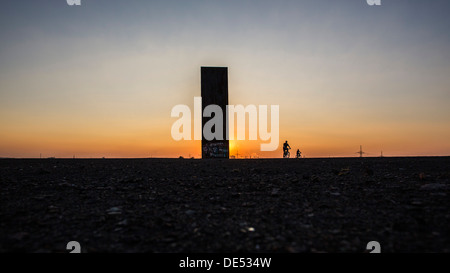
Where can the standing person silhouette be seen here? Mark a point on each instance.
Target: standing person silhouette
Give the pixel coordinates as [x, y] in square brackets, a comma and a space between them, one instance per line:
[286, 148]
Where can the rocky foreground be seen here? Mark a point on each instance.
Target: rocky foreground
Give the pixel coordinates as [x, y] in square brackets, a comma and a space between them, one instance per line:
[185, 205]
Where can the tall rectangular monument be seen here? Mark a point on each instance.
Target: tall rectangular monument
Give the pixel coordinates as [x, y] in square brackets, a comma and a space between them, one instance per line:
[214, 82]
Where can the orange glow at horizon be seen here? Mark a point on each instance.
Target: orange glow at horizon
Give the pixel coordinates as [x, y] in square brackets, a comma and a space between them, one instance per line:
[312, 143]
[62, 135]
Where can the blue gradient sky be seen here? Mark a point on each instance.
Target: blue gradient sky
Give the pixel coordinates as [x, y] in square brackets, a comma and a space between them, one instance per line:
[100, 79]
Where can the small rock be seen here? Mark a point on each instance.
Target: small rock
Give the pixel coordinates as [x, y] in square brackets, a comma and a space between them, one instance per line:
[42, 171]
[114, 211]
[344, 171]
[369, 171]
[52, 209]
[335, 231]
[190, 212]
[434, 186]
[421, 176]
[438, 194]
[19, 236]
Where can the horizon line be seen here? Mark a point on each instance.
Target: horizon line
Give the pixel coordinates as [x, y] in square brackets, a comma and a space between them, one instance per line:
[242, 158]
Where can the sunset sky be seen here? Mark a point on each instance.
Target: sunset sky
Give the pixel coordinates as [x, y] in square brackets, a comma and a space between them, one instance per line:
[100, 79]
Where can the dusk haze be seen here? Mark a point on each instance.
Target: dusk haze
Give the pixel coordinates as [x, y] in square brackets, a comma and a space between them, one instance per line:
[100, 79]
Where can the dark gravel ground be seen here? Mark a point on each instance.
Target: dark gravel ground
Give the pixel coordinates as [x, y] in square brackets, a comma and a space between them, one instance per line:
[266, 205]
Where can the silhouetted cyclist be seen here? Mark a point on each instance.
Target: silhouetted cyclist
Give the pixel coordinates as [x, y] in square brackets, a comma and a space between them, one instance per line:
[299, 154]
[286, 148]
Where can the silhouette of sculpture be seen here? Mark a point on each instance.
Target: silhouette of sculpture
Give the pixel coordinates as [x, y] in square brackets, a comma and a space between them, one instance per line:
[214, 85]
